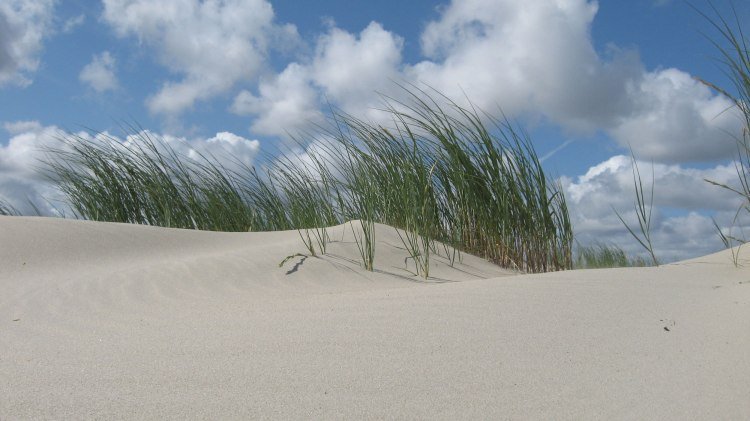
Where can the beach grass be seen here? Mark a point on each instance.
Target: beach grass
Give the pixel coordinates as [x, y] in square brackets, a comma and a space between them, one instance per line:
[735, 59]
[438, 171]
[643, 210]
[601, 255]
[7, 209]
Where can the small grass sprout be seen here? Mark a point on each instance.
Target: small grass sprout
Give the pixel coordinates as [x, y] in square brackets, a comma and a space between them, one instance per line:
[602, 255]
[731, 242]
[643, 211]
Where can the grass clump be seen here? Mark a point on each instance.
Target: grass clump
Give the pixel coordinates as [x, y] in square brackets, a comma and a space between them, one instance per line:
[735, 57]
[643, 211]
[438, 171]
[7, 209]
[602, 255]
[147, 182]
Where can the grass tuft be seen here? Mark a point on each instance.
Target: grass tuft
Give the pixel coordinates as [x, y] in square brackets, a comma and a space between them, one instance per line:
[7, 209]
[643, 211]
[601, 255]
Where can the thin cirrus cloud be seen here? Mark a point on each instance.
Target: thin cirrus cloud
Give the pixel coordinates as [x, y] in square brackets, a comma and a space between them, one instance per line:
[71, 24]
[99, 74]
[23, 26]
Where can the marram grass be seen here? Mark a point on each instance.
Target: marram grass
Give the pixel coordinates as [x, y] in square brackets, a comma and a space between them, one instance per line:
[601, 255]
[734, 48]
[6, 209]
[437, 171]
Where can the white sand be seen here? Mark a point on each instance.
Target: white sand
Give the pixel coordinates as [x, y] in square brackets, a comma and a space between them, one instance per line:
[102, 320]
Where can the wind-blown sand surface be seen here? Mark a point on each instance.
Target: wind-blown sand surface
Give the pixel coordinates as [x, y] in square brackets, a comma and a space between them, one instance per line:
[102, 320]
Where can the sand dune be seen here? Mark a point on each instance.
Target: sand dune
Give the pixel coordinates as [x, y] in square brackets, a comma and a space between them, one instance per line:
[102, 320]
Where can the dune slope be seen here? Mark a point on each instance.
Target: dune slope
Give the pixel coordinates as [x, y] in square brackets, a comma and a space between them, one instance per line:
[102, 320]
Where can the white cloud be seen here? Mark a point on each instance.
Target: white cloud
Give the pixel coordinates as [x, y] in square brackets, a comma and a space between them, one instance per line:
[24, 186]
[351, 69]
[346, 69]
[23, 26]
[234, 152]
[22, 153]
[100, 73]
[17, 127]
[286, 104]
[494, 52]
[682, 198]
[676, 186]
[677, 119]
[212, 44]
[71, 24]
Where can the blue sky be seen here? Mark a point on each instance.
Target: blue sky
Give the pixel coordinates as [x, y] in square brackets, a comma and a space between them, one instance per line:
[237, 74]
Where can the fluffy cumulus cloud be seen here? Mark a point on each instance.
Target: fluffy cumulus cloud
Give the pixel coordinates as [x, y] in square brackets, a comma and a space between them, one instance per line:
[284, 105]
[494, 53]
[23, 26]
[346, 70]
[100, 73]
[682, 198]
[212, 44]
[234, 152]
[24, 185]
[491, 51]
[675, 118]
[350, 69]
